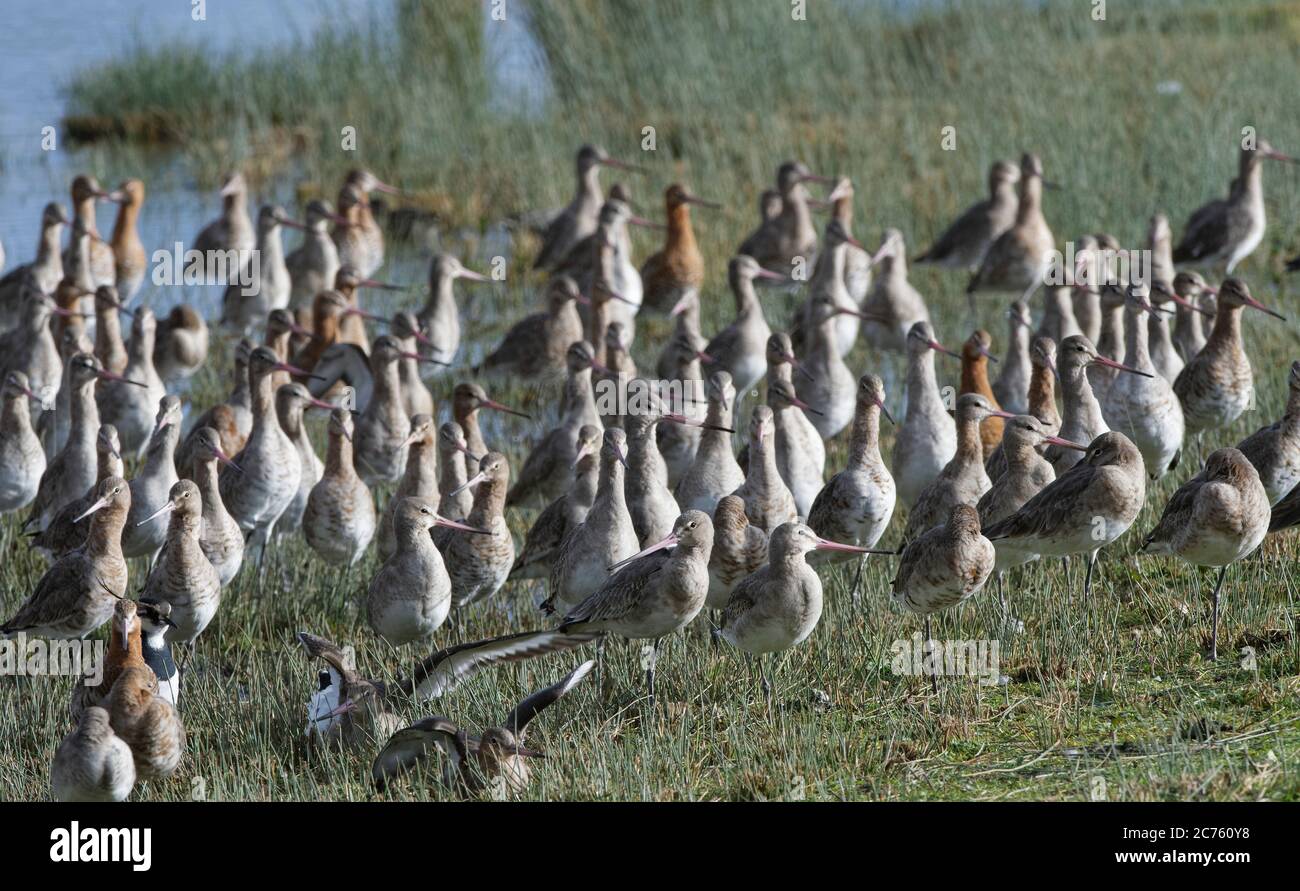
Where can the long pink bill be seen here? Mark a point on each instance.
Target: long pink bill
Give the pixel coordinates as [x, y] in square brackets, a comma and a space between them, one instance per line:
[668, 542]
[646, 224]
[797, 365]
[368, 316]
[105, 375]
[382, 286]
[940, 348]
[700, 202]
[678, 418]
[880, 404]
[497, 406]
[452, 524]
[621, 165]
[226, 459]
[584, 449]
[800, 404]
[296, 371]
[1187, 304]
[1255, 304]
[469, 483]
[827, 545]
[419, 358]
[166, 508]
[97, 506]
[1065, 443]
[1111, 363]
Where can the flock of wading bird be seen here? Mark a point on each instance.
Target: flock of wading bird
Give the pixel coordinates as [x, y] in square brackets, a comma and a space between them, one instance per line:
[648, 517]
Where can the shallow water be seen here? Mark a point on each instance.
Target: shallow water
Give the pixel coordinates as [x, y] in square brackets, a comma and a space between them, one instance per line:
[43, 44]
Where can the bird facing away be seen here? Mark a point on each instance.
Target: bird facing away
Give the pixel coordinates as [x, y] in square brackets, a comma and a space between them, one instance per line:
[1215, 519]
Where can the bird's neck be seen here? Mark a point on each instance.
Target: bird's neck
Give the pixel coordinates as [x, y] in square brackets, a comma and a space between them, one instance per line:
[205, 477]
[1042, 392]
[124, 227]
[1136, 341]
[975, 375]
[421, 469]
[1227, 328]
[338, 456]
[1031, 199]
[864, 441]
[969, 444]
[681, 237]
[579, 398]
[84, 412]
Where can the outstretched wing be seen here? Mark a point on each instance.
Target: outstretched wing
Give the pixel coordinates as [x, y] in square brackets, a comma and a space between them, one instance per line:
[445, 669]
[409, 746]
[517, 721]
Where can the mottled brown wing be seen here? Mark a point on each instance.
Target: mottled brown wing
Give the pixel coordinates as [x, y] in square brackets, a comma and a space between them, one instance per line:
[1286, 513]
[1043, 514]
[522, 339]
[743, 596]
[620, 594]
[820, 513]
[1206, 233]
[1176, 512]
[555, 231]
[546, 534]
[55, 595]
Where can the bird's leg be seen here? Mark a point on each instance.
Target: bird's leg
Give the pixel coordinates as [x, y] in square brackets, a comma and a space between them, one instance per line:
[1214, 631]
[762, 676]
[857, 578]
[600, 669]
[650, 671]
[1087, 578]
[715, 626]
[929, 642]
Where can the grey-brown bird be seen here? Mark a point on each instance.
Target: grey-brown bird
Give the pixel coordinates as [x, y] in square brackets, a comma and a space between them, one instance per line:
[1215, 519]
[77, 593]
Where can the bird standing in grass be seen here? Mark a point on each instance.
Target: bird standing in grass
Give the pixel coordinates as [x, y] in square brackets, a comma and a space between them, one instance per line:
[943, 567]
[1086, 508]
[653, 593]
[1215, 519]
[779, 605]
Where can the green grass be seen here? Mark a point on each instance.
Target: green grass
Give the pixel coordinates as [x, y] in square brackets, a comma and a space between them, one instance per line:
[1113, 687]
